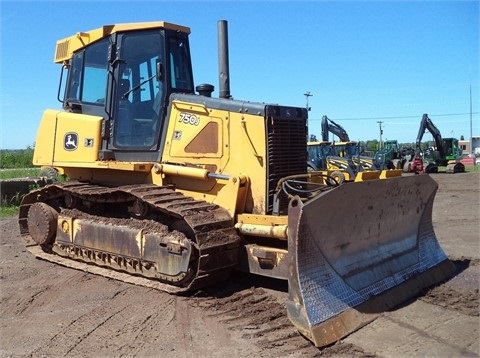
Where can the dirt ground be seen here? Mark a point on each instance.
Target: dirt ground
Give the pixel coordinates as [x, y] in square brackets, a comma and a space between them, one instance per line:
[53, 311]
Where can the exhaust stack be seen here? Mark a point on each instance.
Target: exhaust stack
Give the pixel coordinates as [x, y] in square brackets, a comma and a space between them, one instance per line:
[223, 66]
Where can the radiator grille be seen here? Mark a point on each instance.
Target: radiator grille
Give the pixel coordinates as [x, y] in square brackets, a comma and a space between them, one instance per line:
[286, 148]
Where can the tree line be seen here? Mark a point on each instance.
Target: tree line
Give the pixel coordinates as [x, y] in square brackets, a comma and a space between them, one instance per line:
[16, 158]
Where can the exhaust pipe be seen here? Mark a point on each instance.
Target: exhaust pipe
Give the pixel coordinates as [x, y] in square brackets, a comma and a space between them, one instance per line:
[223, 66]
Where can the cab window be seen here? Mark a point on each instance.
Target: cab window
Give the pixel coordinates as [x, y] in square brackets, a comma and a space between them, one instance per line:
[180, 67]
[88, 74]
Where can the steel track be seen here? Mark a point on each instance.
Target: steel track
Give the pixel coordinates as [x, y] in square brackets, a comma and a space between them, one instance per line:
[214, 236]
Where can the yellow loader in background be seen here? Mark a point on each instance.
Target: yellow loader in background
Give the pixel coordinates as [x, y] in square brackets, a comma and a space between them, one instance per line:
[329, 166]
[173, 190]
[345, 148]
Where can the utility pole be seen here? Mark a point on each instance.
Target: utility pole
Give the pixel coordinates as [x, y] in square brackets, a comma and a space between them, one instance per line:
[381, 132]
[307, 94]
[471, 131]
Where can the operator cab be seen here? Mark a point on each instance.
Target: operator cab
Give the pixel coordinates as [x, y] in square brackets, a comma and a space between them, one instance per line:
[127, 78]
[318, 152]
[346, 149]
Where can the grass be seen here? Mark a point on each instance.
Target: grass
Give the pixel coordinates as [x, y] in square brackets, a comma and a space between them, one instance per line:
[11, 207]
[19, 173]
[468, 169]
[473, 168]
[8, 209]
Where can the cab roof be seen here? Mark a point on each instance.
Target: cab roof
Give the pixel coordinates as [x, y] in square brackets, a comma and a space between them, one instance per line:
[66, 47]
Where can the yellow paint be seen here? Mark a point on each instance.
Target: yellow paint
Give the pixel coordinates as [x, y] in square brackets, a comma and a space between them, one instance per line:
[184, 171]
[65, 225]
[385, 174]
[262, 219]
[67, 46]
[87, 128]
[367, 175]
[240, 191]
[45, 139]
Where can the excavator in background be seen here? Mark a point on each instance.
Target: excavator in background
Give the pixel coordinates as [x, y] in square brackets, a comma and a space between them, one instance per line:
[172, 190]
[329, 126]
[446, 152]
[347, 148]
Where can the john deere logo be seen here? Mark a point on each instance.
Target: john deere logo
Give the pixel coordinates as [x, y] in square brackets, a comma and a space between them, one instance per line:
[70, 141]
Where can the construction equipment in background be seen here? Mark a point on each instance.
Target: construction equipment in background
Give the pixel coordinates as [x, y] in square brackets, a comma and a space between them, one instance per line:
[417, 166]
[353, 151]
[329, 126]
[393, 156]
[347, 148]
[322, 157]
[173, 190]
[446, 153]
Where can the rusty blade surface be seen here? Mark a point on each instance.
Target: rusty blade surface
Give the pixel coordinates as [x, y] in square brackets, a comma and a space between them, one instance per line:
[358, 250]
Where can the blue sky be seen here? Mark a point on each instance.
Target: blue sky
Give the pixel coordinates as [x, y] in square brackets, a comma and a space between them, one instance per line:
[363, 62]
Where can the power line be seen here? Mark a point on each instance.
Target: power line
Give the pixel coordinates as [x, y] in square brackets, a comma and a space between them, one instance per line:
[398, 117]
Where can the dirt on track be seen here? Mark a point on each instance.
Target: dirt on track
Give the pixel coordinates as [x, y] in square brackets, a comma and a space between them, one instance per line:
[51, 311]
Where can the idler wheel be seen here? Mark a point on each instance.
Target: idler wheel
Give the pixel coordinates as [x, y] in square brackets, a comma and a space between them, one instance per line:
[70, 201]
[140, 208]
[42, 223]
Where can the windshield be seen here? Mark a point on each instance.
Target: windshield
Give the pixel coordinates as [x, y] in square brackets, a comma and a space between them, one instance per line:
[351, 150]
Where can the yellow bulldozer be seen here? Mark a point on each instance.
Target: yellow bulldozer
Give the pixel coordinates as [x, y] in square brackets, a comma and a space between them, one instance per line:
[173, 189]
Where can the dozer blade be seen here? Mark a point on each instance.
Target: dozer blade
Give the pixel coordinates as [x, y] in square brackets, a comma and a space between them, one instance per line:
[359, 250]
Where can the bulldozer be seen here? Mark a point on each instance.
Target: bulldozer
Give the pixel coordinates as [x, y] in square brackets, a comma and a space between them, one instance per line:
[174, 190]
